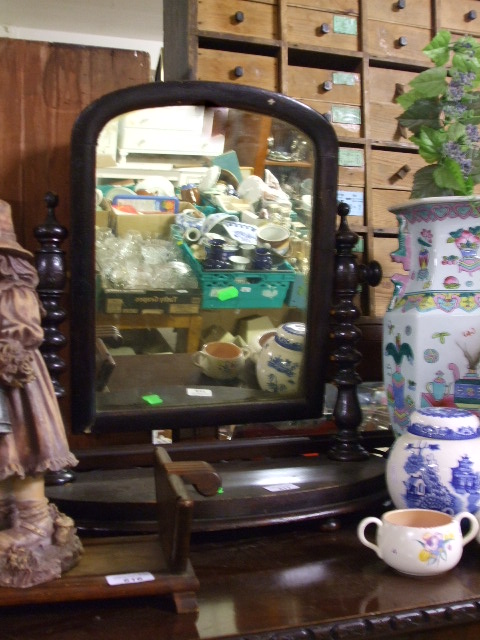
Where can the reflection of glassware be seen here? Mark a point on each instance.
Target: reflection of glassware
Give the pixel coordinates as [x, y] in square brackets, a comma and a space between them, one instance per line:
[136, 263]
[373, 403]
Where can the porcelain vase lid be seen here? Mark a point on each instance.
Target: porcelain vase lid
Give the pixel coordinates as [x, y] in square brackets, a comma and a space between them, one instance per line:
[444, 423]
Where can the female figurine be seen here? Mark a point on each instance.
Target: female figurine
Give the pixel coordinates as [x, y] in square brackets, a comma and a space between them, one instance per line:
[37, 543]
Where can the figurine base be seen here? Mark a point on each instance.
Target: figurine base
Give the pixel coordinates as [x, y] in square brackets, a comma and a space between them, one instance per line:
[22, 567]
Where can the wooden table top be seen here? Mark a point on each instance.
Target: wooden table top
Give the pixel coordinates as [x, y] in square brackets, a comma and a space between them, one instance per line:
[257, 584]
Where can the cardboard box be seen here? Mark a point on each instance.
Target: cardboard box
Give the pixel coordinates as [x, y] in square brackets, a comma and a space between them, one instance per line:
[136, 301]
[149, 224]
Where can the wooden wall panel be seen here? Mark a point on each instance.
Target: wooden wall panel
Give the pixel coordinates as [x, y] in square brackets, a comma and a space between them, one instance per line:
[43, 89]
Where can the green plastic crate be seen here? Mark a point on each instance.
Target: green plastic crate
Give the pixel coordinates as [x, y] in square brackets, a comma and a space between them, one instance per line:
[242, 289]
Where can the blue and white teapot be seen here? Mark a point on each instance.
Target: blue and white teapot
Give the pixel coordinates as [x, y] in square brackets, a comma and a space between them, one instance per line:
[279, 363]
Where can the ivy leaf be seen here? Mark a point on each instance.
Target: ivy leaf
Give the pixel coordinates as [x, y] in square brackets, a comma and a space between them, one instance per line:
[473, 116]
[438, 49]
[475, 171]
[465, 63]
[430, 143]
[407, 99]
[430, 83]
[424, 185]
[456, 132]
[423, 113]
[450, 176]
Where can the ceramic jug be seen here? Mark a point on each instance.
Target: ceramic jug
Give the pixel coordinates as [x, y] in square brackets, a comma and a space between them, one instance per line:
[279, 363]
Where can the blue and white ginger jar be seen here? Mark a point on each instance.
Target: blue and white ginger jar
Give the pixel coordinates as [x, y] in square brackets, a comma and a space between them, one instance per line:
[435, 464]
[279, 363]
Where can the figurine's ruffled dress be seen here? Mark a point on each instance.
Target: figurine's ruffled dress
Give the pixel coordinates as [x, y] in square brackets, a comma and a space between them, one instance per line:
[37, 542]
[37, 442]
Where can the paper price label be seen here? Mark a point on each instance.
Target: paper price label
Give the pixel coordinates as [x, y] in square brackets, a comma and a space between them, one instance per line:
[205, 393]
[343, 77]
[346, 25]
[354, 199]
[129, 578]
[281, 487]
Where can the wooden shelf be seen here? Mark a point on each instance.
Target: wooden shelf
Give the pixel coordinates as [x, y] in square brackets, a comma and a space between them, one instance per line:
[112, 557]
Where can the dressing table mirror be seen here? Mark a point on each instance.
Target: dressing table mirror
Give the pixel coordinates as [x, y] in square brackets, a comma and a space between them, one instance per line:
[258, 158]
[278, 146]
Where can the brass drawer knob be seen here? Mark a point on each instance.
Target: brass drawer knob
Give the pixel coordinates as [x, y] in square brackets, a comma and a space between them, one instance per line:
[239, 16]
[471, 15]
[325, 28]
[327, 85]
[238, 72]
[402, 41]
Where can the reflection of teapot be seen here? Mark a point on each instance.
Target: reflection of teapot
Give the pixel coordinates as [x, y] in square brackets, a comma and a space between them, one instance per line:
[438, 387]
[279, 361]
[190, 218]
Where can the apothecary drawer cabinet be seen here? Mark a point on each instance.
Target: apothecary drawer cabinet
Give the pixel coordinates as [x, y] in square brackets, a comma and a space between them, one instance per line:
[347, 59]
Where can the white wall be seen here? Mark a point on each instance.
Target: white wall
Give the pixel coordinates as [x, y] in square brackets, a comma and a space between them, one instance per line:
[122, 24]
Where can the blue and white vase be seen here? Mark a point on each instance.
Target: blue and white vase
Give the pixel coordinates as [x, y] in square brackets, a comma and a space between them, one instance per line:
[431, 330]
[435, 464]
[279, 363]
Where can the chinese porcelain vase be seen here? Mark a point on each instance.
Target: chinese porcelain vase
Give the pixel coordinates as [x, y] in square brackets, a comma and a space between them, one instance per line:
[431, 331]
[435, 464]
[279, 363]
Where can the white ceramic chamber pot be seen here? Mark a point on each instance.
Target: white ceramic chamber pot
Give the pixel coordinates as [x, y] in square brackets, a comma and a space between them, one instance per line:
[419, 542]
[221, 360]
[276, 236]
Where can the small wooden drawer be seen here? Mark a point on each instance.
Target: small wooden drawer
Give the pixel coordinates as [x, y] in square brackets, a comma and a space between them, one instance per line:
[348, 7]
[387, 40]
[247, 18]
[328, 30]
[239, 68]
[345, 119]
[461, 15]
[394, 169]
[351, 167]
[417, 13]
[332, 93]
[382, 294]
[382, 200]
[384, 87]
[324, 85]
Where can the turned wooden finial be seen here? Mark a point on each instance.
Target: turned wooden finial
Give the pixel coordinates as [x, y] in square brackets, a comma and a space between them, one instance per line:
[50, 265]
[345, 334]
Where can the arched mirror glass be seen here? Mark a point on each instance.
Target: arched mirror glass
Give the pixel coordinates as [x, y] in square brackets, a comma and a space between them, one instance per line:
[202, 248]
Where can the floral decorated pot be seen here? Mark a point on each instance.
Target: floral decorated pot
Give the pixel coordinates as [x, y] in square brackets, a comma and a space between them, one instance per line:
[279, 362]
[431, 333]
[435, 464]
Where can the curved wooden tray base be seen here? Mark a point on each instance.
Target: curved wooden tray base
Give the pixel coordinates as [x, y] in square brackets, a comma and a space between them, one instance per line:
[254, 493]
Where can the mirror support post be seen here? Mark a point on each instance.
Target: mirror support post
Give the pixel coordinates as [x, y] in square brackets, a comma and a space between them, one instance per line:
[50, 265]
[347, 412]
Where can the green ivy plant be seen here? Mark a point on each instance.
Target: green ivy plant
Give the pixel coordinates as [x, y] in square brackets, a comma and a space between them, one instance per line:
[442, 110]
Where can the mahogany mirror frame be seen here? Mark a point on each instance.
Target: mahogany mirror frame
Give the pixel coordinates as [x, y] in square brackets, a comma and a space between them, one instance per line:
[86, 131]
